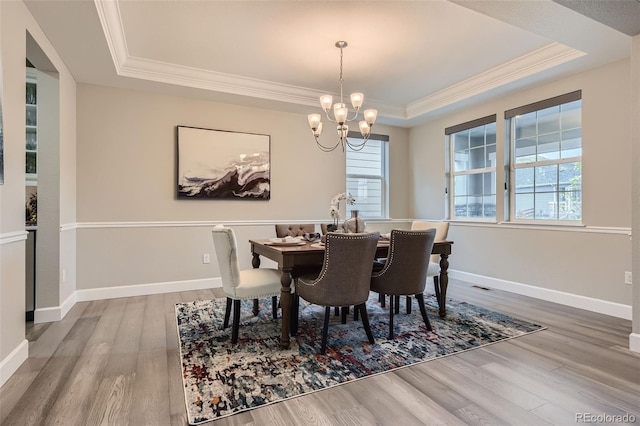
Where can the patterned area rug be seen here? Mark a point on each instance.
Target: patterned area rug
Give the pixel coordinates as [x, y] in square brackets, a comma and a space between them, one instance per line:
[221, 379]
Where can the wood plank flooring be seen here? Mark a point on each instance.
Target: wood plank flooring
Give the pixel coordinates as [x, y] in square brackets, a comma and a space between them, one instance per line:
[116, 362]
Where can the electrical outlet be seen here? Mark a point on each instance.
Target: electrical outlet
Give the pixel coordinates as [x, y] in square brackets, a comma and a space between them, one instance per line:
[206, 258]
[628, 277]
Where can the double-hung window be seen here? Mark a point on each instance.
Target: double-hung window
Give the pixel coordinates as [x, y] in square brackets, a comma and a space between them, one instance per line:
[546, 159]
[472, 169]
[367, 177]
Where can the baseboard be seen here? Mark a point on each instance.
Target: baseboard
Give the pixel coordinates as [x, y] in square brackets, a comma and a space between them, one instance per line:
[146, 289]
[634, 342]
[13, 361]
[617, 310]
[55, 313]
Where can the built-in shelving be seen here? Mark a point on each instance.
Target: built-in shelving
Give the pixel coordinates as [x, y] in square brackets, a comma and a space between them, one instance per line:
[31, 128]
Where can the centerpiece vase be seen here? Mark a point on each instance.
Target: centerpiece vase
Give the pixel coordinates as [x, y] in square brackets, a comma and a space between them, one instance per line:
[354, 223]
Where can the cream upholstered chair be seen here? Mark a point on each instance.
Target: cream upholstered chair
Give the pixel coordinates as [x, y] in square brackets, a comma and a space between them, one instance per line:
[442, 229]
[405, 270]
[294, 230]
[240, 284]
[344, 278]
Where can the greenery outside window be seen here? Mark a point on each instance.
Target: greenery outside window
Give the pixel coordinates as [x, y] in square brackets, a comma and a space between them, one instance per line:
[546, 160]
[471, 169]
[366, 171]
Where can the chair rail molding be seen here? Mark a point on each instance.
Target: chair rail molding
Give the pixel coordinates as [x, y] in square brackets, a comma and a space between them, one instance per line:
[13, 237]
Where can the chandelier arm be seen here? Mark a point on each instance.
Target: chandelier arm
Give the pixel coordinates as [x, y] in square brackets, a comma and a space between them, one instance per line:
[326, 113]
[357, 146]
[326, 148]
[357, 112]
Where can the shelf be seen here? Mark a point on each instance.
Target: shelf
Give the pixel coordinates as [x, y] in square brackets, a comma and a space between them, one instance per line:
[31, 129]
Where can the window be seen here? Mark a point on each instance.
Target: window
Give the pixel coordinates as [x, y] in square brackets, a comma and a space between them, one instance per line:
[546, 159]
[472, 169]
[367, 178]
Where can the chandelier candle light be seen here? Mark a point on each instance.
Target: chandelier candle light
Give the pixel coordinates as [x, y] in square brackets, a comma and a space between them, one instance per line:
[341, 116]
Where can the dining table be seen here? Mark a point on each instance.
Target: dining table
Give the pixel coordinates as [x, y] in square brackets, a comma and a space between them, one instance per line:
[297, 258]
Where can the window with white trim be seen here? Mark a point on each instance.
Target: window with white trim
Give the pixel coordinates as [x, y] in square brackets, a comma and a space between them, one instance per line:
[367, 177]
[546, 160]
[472, 169]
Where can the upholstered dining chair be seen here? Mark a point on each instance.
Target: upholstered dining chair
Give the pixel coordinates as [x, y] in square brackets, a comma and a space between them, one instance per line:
[405, 270]
[294, 230]
[442, 230]
[240, 284]
[344, 278]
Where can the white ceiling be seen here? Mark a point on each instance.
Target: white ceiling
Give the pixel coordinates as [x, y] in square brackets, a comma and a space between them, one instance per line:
[412, 59]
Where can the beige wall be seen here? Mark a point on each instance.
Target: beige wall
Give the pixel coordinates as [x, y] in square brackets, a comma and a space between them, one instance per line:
[588, 262]
[127, 181]
[15, 22]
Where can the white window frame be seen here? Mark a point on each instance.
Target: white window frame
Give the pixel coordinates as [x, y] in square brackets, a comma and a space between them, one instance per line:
[510, 116]
[383, 177]
[451, 172]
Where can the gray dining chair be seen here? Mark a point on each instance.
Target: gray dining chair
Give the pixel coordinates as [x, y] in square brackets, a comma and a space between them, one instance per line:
[294, 230]
[242, 284]
[344, 278]
[442, 230]
[405, 270]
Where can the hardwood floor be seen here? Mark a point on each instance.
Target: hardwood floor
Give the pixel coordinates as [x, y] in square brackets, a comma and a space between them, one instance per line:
[116, 362]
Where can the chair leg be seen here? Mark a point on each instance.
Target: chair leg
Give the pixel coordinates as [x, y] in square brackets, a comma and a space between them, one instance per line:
[382, 299]
[337, 310]
[356, 310]
[392, 299]
[295, 312]
[255, 307]
[436, 287]
[408, 305]
[274, 307]
[365, 321]
[227, 313]
[343, 314]
[397, 304]
[325, 330]
[236, 321]
[423, 311]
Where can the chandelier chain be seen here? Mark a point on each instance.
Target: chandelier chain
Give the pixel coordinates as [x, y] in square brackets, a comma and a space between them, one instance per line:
[341, 79]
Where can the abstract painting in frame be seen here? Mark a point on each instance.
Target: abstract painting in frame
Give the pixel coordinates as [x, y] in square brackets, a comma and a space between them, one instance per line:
[219, 164]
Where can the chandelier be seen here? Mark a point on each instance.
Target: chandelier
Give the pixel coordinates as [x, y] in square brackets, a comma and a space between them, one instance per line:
[341, 116]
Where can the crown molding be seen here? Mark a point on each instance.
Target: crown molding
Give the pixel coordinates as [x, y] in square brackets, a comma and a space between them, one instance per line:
[539, 60]
[549, 56]
[111, 21]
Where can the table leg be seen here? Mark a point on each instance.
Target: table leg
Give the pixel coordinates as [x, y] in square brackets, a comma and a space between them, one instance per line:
[285, 302]
[255, 261]
[443, 283]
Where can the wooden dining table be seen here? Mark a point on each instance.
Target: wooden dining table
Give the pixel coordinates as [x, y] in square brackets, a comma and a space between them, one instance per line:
[295, 260]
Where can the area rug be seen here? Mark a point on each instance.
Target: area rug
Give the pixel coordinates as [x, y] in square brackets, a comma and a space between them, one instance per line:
[221, 379]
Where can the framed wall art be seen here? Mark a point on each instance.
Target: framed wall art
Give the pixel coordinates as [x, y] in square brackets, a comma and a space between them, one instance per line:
[219, 164]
